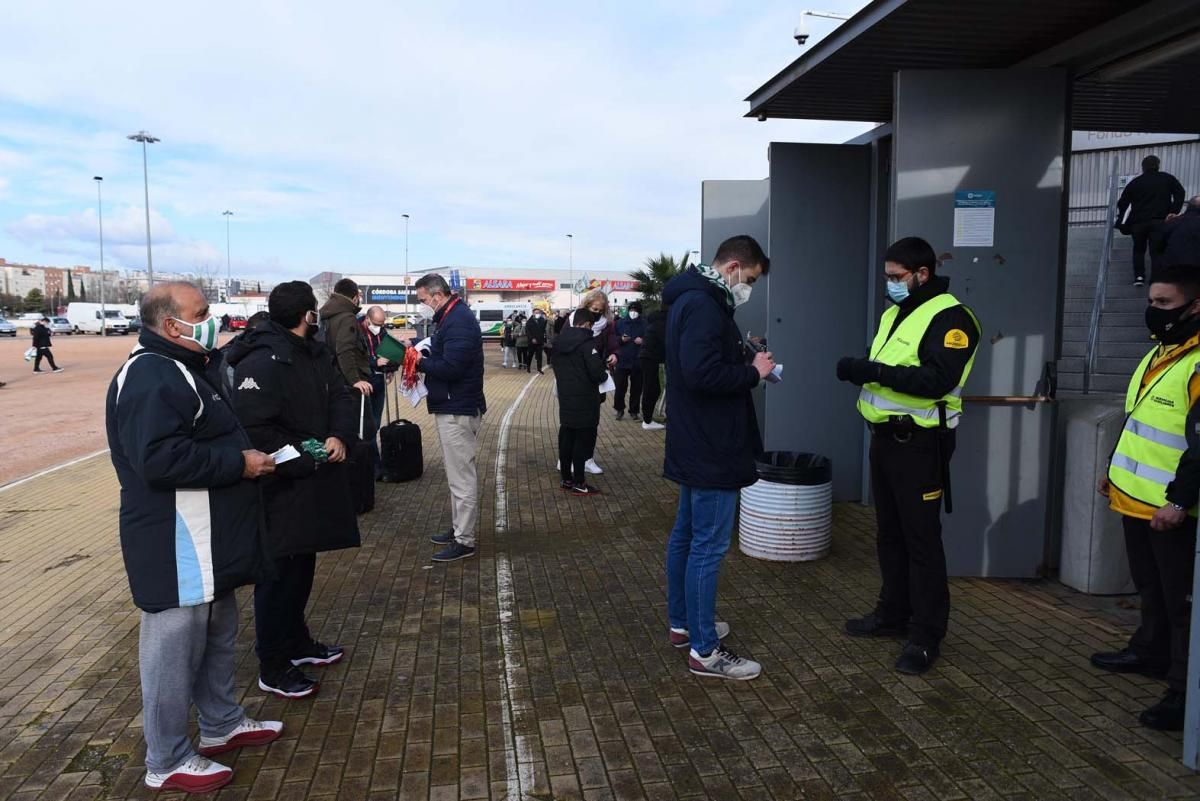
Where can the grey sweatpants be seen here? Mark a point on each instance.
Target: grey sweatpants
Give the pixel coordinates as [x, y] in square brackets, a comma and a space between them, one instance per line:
[186, 656]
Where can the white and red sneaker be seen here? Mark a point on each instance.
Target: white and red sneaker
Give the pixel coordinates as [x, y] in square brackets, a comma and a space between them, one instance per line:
[197, 775]
[679, 637]
[248, 733]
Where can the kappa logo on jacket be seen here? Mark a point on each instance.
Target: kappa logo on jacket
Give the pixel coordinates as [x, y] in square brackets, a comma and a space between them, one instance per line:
[249, 383]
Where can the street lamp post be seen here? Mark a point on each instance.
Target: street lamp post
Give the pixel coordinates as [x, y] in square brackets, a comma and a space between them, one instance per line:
[145, 139]
[571, 263]
[100, 216]
[228, 269]
[407, 305]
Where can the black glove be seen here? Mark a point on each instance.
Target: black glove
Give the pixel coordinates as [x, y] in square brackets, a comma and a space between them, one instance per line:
[858, 371]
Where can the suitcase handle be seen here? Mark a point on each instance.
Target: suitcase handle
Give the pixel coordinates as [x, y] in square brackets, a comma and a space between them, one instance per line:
[362, 413]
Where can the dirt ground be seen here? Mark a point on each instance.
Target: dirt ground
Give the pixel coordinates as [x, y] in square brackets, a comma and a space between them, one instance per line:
[50, 418]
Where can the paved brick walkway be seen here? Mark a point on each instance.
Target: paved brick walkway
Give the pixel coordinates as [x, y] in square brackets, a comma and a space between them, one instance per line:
[539, 670]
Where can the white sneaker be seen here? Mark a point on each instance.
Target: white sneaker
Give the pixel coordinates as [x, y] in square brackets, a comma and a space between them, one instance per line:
[652, 426]
[197, 775]
[249, 732]
[593, 468]
[723, 664]
[679, 637]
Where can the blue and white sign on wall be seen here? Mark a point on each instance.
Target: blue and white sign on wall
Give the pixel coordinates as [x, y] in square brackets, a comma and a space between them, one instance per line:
[974, 218]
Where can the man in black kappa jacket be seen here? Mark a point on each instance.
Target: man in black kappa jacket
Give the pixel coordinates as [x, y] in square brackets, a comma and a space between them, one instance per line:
[191, 518]
[288, 391]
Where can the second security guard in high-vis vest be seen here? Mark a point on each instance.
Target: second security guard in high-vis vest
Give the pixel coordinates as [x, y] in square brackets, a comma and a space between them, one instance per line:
[1153, 482]
[911, 398]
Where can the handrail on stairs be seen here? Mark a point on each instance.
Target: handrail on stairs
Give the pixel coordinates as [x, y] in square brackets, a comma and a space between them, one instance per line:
[1093, 333]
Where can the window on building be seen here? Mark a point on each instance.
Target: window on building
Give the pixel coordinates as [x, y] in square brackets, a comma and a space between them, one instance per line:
[564, 284]
[491, 315]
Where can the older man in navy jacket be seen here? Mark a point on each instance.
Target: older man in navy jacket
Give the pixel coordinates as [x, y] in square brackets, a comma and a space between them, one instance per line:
[191, 521]
[712, 442]
[453, 370]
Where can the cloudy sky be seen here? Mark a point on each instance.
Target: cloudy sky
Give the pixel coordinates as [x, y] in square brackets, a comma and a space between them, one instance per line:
[499, 127]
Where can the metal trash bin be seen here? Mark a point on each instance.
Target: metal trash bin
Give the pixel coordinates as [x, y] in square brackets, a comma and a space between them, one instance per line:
[787, 515]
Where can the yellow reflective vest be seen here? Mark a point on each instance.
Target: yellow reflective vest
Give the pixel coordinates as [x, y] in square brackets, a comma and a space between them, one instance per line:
[1155, 433]
[877, 403]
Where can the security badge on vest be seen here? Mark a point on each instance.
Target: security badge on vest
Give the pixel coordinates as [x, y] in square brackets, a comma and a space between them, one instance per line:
[1155, 433]
[879, 404]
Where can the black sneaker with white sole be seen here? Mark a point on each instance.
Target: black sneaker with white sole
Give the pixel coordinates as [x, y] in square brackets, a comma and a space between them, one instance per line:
[316, 653]
[566, 485]
[290, 683]
[584, 490]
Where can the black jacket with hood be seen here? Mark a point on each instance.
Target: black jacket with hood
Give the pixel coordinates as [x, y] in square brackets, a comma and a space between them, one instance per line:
[191, 526]
[578, 373]
[286, 390]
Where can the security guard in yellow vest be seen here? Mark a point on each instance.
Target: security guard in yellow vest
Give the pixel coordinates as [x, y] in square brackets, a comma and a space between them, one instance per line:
[1153, 481]
[911, 398]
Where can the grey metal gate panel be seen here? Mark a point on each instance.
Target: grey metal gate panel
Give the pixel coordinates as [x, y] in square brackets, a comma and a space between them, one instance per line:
[1003, 131]
[820, 248]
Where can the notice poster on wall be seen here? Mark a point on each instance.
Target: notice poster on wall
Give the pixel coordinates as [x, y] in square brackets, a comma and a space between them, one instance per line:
[974, 219]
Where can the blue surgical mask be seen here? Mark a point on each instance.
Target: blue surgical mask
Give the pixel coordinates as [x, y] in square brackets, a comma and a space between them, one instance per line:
[897, 291]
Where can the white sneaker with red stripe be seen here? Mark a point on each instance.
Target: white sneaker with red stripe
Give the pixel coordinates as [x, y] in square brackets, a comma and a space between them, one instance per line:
[197, 775]
[248, 733]
[680, 639]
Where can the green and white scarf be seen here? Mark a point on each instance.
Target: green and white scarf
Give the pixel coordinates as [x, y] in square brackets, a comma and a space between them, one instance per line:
[716, 279]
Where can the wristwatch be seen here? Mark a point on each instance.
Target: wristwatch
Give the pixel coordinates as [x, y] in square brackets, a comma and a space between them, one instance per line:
[1177, 507]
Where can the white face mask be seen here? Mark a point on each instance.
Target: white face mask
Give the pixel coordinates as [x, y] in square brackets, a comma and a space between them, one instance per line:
[426, 312]
[204, 333]
[633, 315]
[374, 329]
[741, 292]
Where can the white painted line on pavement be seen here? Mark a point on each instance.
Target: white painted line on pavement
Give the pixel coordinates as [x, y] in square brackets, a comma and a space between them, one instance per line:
[50, 470]
[518, 757]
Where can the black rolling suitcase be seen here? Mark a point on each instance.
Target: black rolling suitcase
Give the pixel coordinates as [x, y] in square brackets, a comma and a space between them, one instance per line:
[362, 465]
[400, 443]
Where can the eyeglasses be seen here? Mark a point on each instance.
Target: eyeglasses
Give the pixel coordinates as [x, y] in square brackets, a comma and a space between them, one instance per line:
[896, 279]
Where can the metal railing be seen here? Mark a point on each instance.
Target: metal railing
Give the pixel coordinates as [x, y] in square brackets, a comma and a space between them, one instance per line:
[1093, 333]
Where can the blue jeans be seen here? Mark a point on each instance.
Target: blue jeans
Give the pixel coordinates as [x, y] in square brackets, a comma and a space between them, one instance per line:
[699, 540]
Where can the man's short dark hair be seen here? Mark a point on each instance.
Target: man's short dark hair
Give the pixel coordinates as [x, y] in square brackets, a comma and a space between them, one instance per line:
[912, 253]
[257, 319]
[159, 303]
[585, 317]
[744, 250]
[432, 283]
[290, 301]
[346, 287]
[1151, 163]
[1187, 278]
[636, 306]
[45, 319]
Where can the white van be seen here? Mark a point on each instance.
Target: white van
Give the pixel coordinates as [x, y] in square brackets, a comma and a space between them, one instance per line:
[85, 318]
[491, 316]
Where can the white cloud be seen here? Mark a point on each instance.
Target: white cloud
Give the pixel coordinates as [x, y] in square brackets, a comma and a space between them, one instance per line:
[499, 128]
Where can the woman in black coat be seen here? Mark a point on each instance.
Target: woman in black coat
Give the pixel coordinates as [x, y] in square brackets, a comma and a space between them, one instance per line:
[288, 391]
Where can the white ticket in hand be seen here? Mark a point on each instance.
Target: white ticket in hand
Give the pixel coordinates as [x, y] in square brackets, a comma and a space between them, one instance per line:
[776, 375]
[285, 454]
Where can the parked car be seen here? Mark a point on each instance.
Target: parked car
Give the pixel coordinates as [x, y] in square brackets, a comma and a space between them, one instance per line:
[7, 328]
[61, 325]
[135, 324]
[399, 321]
[237, 323]
[28, 320]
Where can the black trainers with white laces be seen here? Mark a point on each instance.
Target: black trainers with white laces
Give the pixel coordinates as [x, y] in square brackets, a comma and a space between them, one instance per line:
[290, 683]
[316, 653]
[584, 490]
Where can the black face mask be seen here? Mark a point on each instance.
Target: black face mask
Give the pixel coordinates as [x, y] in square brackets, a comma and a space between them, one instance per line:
[1162, 322]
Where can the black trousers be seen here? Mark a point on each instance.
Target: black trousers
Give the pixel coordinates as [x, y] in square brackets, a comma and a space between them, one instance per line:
[1144, 236]
[575, 447]
[37, 362]
[906, 478]
[628, 379]
[523, 356]
[651, 389]
[535, 351]
[1161, 563]
[280, 630]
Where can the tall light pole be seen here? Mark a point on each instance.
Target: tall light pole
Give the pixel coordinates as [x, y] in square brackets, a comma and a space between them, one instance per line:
[100, 215]
[407, 305]
[145, 139]
[571, 257]
[228, 269]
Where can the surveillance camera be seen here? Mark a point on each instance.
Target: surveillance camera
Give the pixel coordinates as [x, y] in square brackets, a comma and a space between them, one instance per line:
[801, 32]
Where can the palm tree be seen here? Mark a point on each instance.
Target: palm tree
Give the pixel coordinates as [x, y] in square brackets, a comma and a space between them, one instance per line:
[655, 275]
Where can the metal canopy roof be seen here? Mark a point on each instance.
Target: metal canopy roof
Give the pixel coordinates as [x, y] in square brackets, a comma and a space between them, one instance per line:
[1136, 63]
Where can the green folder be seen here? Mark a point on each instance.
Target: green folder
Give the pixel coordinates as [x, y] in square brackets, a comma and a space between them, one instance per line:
[390, 348]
